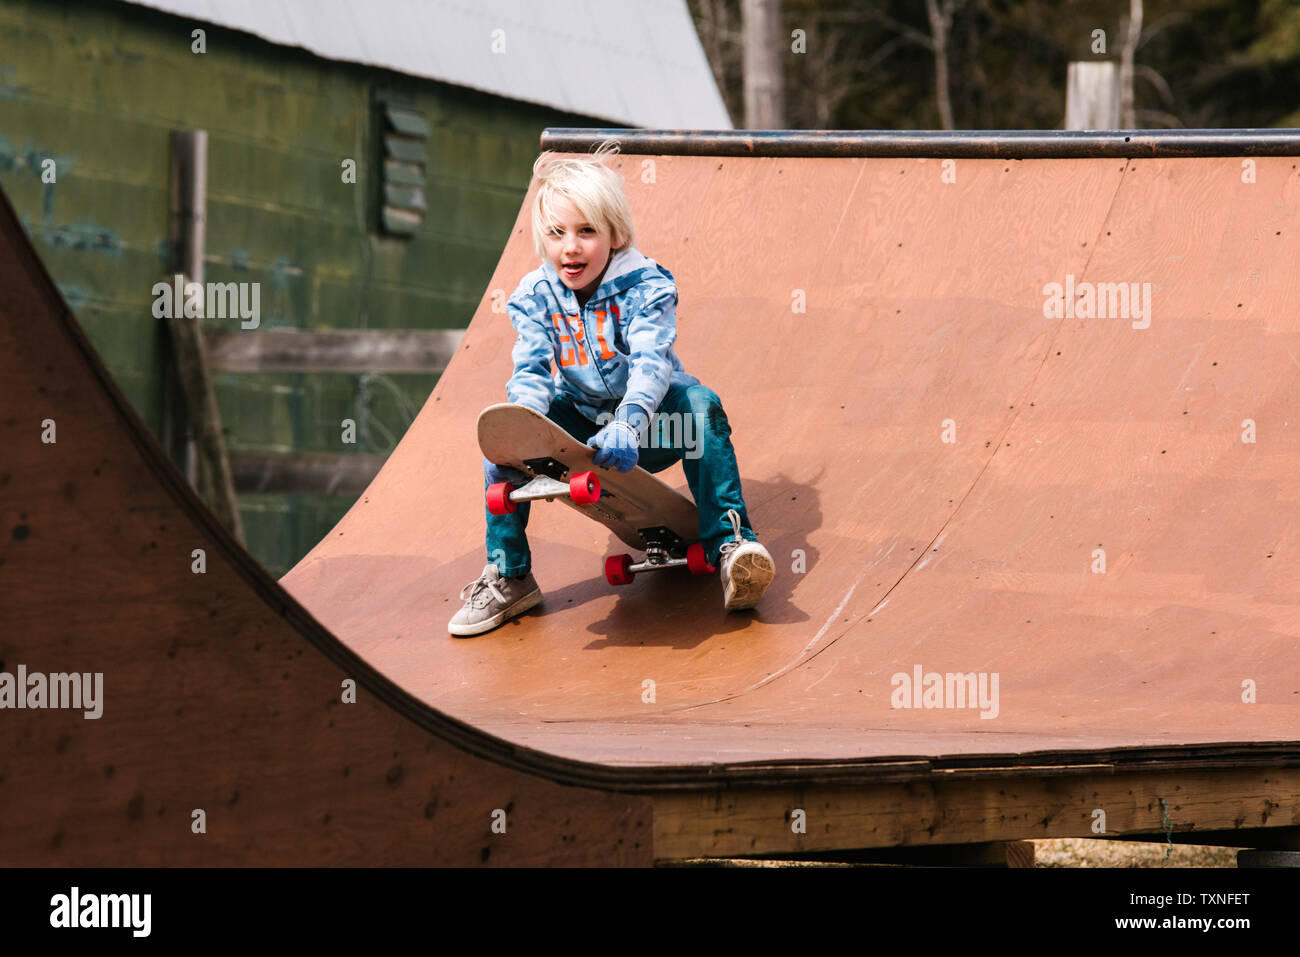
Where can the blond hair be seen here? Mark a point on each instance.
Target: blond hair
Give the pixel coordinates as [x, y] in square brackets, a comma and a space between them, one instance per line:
[592, 187]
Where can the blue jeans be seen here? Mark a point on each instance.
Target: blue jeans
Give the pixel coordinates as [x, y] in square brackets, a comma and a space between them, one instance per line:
[702, 445]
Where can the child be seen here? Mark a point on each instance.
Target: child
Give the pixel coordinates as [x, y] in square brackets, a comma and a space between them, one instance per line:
[607, 316]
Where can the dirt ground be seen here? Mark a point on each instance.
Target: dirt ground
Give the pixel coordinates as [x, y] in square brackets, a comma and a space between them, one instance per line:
[1077, 852]
[1064, 852]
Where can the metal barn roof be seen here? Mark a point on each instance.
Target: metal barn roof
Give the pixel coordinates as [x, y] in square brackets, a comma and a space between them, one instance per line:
[632, 62]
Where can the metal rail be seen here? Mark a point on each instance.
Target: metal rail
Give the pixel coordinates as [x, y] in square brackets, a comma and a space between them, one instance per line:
[981, 144]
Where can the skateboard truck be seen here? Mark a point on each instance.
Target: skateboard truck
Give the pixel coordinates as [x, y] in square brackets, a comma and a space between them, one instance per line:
[663, 549]
[582, 487]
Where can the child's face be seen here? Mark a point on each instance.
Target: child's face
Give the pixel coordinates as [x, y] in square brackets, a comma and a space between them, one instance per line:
[578, 250]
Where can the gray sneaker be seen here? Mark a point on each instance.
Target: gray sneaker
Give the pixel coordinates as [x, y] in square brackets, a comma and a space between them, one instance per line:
[747, 569]
[492, 601]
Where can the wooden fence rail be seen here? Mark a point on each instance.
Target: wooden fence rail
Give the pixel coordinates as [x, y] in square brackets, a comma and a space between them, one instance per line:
[303, 472]
[366, 350]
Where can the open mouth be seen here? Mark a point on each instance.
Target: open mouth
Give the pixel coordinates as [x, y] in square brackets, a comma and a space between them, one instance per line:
[573, 270]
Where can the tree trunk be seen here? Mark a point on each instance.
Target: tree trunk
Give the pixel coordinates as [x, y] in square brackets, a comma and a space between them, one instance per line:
[764, 100]
[1132, 35]
[940, 22]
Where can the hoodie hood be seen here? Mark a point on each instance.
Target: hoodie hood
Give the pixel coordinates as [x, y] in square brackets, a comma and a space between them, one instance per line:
[626, 268]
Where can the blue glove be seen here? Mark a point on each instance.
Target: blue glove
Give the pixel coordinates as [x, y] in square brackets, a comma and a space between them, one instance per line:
[617, 442]
[504, 473]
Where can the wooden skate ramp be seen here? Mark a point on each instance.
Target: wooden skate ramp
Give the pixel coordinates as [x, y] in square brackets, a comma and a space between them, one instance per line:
[848, 312]
[1097, 517]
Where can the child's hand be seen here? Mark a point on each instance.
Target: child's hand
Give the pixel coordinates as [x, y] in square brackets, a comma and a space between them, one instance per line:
[504, 473]
[618, 441]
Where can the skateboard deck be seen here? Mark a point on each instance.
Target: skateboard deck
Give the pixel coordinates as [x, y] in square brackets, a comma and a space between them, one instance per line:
[637, 507]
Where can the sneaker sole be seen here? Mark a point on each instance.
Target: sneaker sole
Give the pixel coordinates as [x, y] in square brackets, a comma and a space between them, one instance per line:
[748, 591]
[487, 624]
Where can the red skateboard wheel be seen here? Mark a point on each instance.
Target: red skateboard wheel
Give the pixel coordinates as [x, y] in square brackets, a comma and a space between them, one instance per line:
[697, 561]
[618, 569]
[584, 488]
[498, 498]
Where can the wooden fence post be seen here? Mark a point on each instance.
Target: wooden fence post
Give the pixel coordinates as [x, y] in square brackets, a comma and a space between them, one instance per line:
[204, 459]
[1092, 95]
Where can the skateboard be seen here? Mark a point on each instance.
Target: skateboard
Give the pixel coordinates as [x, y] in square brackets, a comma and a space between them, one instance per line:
[637, 507]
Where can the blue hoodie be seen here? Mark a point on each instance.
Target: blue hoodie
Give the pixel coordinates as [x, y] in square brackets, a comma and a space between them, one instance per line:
[616, 350]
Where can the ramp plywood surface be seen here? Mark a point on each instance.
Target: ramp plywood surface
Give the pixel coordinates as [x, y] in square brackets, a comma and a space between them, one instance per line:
[850, 312]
